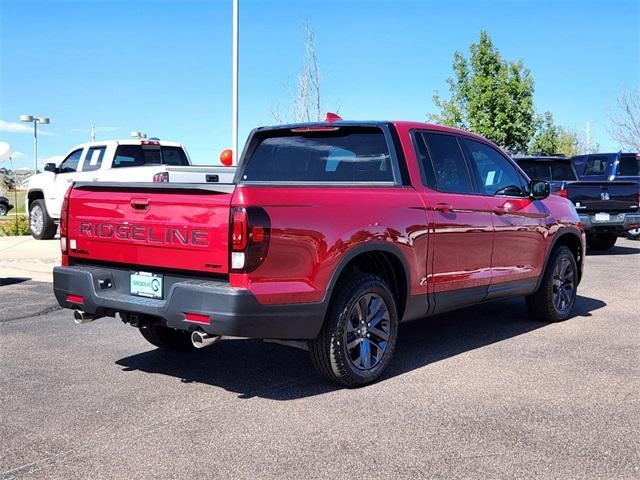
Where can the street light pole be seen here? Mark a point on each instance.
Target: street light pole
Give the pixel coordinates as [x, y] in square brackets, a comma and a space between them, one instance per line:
[234, 107]
[35, 120]
[35, 145]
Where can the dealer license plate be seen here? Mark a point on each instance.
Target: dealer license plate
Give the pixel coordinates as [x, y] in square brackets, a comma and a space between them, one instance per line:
[146, 284]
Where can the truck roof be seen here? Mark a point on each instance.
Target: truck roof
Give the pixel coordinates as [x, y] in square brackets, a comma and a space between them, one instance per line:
[400, 124]
[126, 141]
[541, 158]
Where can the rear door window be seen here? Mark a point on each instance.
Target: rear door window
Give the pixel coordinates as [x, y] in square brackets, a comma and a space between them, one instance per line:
[347, 154]
[449, 166]
[93, 160]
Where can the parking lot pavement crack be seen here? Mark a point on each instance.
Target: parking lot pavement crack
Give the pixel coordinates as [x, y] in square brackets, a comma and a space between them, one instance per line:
[99, 445]
[45, 311]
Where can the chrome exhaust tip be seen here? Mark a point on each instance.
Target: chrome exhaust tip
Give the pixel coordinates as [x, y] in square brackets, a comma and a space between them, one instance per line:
[80, 317]
[200, 339]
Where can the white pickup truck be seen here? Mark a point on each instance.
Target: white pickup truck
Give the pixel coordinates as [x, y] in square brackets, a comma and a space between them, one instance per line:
[111, 161]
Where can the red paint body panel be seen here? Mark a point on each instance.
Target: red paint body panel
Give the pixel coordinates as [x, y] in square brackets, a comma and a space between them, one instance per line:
[184, 231]
[313, 228]
[476, 242]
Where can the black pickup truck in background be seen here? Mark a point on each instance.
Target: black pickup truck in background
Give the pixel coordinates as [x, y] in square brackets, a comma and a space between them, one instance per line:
[607, 208]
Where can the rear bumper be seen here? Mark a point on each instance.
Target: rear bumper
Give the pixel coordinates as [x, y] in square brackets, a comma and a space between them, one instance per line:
[620, 222]
[231, 311]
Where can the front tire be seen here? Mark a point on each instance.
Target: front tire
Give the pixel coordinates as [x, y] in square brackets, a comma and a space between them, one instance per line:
[41, 225]
[554, 299]
[3, 209]
[167, 338]
[602, 242]
[358, 337]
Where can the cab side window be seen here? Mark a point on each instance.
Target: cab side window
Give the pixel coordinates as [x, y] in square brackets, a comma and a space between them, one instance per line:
[444, 164]
[93, 160]
[495, 174]
[70, 164]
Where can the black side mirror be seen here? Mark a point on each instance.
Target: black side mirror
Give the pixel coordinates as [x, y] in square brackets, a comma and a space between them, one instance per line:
[51, 167]
[539, 189]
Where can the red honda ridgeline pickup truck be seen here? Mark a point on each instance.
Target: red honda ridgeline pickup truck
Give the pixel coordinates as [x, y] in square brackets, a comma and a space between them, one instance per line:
[332, 233]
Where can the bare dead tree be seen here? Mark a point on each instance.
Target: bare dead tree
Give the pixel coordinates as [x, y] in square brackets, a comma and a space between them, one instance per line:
[625, 120]
[306, 102]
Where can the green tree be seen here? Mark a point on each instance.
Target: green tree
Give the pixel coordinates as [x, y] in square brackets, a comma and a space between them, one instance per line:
[489, 96]
[551, 138]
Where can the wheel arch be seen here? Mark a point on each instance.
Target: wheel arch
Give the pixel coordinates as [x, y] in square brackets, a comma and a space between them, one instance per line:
[35, 194]
[381, 259]
[571, 238]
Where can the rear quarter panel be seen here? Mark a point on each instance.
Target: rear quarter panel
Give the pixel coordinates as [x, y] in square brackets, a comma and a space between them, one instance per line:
[314, 228]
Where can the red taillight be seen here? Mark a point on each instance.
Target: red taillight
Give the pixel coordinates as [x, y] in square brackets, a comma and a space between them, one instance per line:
[239, 230]
[162, 177]
[64, 220]
[150, 142]
[75, 299]
[250, 234]
[564, 193]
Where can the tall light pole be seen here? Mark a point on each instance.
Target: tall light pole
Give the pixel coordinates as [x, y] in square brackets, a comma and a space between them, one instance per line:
[36, 120]
[234, 107]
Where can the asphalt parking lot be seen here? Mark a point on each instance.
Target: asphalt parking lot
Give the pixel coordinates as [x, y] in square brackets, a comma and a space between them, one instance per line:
[481, 393]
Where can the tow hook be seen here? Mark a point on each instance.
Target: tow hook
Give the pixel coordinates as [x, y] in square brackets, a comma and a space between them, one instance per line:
[200, 339]
[80, 317]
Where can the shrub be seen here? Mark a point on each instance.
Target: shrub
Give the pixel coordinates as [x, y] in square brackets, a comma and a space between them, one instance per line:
[8, 227]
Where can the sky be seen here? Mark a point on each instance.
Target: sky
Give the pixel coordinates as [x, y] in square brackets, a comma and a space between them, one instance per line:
[164, 67]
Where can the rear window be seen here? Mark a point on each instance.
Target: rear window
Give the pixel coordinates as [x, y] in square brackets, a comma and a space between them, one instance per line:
[596, 166]
[629, 166]
[545, 170]
[536, 170]
[344, 155]
[139, 155]
[562, 171]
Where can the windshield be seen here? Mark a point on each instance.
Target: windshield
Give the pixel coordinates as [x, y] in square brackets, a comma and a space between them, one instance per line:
[347, 154]
[139, 155]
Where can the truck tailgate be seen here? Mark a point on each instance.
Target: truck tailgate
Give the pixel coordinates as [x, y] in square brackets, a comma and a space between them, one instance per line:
[167, 226]
[604, 196]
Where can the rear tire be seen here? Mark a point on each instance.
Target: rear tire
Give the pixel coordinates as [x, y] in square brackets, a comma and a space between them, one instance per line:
[358, 337]
[167, 338]
[3, 209]
[602, 242]
[41, 225]
[554, 299]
